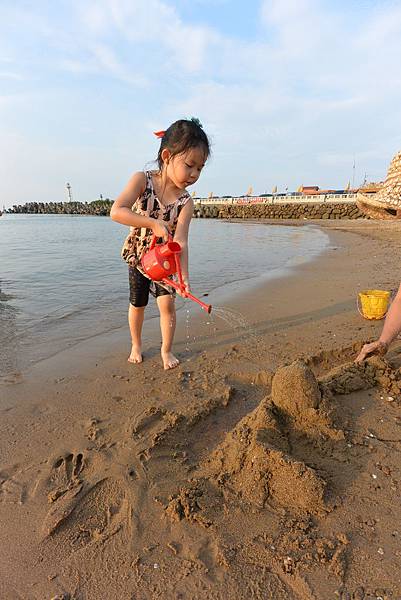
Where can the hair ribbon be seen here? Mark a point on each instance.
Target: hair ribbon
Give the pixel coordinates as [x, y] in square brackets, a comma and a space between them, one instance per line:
[159, 134]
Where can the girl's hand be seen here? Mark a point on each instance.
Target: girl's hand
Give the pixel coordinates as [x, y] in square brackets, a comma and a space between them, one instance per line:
[376, 347]
[187, 288]
[161, 229]
[186, 284]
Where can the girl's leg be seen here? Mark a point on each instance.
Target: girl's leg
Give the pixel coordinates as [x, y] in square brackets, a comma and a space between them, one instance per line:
[135, 321]
[138, 296]
[166, 304]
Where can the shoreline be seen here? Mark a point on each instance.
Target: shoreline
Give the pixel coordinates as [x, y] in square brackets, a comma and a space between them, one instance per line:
[95, 453]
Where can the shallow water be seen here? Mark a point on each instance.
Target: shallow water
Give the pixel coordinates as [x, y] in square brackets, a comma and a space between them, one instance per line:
[62, 279]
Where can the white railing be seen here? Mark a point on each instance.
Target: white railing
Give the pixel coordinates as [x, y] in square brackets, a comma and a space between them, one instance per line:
[280, 199]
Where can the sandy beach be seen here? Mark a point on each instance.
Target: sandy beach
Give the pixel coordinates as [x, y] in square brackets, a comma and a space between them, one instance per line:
[266, 466]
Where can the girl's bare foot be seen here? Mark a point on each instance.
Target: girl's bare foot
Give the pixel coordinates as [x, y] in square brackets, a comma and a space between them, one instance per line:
[169, 360]
[136, 355]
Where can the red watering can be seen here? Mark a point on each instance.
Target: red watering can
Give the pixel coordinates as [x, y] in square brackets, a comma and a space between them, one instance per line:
[162, 260]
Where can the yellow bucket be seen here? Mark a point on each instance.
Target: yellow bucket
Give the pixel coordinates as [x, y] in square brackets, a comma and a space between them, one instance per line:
[374, 303]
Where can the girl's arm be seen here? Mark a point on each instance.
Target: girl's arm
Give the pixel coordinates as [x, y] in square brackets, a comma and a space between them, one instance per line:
[121, 211]
[391, 328]
[181, 236]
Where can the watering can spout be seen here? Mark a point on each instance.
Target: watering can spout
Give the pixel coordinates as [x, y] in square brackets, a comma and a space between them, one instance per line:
[206, 307]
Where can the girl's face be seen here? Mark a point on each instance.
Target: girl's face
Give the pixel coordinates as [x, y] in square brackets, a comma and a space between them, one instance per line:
[184, 169]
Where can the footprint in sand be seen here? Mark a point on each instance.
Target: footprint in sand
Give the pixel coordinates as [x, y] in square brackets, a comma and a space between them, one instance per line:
[64, 476]
[92, 429]
[11, 490]
[11, 378]
[146, 420]
[95, 515]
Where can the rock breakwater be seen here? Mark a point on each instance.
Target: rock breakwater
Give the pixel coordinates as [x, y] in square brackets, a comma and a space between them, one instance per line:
[279, 211]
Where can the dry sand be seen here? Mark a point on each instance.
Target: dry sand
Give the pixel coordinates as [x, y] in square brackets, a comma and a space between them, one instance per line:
[267, 466]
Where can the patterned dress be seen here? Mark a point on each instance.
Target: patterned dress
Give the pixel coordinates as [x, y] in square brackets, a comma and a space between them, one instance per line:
[149, 205]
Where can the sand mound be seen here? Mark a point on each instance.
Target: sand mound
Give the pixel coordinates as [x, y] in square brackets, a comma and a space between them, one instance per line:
[295, 389]
[284, 452]
[254, 461]
[302, 404]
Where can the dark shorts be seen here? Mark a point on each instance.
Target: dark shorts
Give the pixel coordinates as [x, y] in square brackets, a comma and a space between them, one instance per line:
[140, 286]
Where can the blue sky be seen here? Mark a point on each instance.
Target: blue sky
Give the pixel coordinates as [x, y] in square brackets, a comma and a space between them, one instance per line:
[290, 92]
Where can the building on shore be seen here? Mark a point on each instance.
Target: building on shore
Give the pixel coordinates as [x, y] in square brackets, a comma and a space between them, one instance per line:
[305, 193]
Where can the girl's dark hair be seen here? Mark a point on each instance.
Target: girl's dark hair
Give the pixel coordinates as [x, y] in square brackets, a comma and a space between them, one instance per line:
[181, 136]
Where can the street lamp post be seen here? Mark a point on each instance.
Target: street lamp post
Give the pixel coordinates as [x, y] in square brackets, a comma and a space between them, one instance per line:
[69, 192]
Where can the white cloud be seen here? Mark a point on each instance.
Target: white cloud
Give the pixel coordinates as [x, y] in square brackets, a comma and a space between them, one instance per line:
[282, 12]
[94, 17]
[154, 24]
[107, 60]
[382, 28]
[13, 101]
[296, 27]
[11, 75]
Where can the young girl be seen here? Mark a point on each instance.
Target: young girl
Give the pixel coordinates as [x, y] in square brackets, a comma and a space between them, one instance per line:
[157, 203]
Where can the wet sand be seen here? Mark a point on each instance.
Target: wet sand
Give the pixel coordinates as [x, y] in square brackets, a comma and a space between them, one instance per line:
[266, 466]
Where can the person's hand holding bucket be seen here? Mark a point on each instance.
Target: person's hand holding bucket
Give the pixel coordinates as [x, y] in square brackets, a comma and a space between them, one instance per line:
[391, 327]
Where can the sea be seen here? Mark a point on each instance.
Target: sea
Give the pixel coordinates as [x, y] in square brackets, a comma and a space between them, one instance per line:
[62, 280]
